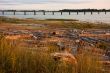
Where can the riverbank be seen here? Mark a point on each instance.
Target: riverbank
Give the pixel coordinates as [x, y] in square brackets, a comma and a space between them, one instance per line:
[53, 46]
[57, 23]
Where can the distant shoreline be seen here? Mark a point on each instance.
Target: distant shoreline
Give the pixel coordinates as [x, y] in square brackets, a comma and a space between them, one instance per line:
[61, 19]
[56, 23]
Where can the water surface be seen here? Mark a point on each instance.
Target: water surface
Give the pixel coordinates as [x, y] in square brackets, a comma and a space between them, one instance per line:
[95, 17]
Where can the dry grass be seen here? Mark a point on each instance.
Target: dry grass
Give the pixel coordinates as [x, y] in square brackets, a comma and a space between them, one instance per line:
[57, 23]
[15, 59]
[88, 63]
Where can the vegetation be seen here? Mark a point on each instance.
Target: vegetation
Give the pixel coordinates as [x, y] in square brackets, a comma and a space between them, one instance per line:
[9, 20]
[57, 23]
[61, 19]
[87, 63]
[87, 10]
[67, 10]
[15, 59]
[104, 46]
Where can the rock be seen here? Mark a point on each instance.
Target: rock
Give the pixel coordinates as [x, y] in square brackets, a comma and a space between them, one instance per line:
[67, 57]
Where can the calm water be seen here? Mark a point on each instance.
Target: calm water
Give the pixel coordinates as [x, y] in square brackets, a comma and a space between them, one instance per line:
[95, 17]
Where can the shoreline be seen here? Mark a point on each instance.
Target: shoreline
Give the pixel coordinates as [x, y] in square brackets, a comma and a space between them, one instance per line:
[56, 23]
[66, 44]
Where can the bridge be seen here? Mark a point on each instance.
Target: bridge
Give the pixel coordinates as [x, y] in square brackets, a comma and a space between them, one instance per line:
[3, 12]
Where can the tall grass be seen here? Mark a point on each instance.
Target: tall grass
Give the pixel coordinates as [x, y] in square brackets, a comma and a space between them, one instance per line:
[88, 63]
[24, 60]
[15, 59]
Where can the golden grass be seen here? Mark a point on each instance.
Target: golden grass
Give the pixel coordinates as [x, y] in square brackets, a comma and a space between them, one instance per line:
[88, 63]
[24, 60]
[15, 59]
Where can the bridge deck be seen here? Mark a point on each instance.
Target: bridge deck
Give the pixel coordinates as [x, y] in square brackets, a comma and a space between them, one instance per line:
[53, 12]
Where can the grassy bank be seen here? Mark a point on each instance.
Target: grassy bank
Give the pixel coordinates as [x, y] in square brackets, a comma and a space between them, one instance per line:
[15, 59]
[57, 23]
[18, 59]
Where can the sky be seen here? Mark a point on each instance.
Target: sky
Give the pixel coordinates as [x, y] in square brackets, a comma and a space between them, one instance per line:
[54, 4]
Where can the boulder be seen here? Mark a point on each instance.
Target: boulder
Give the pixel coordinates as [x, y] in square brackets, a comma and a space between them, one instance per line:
[64, 56]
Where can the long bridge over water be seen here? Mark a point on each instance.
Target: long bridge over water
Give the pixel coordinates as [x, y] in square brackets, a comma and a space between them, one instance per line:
[53, 12]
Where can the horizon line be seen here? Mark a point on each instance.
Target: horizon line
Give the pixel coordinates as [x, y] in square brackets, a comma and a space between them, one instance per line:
[63, 9]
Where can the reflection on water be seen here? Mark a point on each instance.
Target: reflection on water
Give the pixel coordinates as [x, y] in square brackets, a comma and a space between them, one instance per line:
[95, 17]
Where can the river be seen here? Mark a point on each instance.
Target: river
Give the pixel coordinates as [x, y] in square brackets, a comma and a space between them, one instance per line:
[95, 17]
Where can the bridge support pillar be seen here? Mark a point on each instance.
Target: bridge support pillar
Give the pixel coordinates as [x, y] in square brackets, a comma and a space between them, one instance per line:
[14, 13]
[34, 12]
[69, 13]
[98, 12]
[77, 12]
[3, 12]
[52, 12]
[91, 12]
[43, 12]
[24, 12]
[61, 12]
[84, 12]
[105, 12]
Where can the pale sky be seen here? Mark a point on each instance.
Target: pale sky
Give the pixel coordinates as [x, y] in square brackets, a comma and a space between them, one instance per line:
[54, 4]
